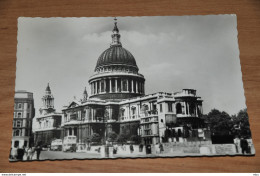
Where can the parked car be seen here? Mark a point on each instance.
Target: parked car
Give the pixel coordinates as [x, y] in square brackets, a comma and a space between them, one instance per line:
[56, 145]
[69, 144]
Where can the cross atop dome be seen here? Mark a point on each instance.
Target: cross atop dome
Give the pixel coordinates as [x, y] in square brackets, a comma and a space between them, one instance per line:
[115, 27]
[115, 36]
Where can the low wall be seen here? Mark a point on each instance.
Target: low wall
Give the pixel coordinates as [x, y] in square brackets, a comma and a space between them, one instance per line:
[199, 147]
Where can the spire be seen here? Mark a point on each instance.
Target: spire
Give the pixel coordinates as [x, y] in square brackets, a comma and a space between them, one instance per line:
[85, 94]
[115, 27]
[48, 88]
[115, 36]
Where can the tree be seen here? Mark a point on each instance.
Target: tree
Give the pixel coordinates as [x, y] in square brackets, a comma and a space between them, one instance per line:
[220, 122]
[241, 125]
[95, 137]
[112, 136]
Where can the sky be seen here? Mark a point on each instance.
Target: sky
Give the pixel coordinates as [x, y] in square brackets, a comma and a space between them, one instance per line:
[172, 52]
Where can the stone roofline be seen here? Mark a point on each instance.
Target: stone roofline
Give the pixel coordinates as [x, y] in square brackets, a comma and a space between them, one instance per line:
[49, 115]
[163, 96]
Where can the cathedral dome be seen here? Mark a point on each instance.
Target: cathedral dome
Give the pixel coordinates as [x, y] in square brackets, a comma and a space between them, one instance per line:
[116, 55]
[116, 73]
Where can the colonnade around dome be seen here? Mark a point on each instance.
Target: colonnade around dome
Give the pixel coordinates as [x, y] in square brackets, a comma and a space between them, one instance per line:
[117, 85]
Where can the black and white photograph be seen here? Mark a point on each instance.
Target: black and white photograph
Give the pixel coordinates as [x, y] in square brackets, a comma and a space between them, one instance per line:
[129, 87]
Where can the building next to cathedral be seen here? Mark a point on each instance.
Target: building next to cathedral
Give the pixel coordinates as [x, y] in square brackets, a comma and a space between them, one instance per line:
[48, 123]
[22, 123]
[117, 104]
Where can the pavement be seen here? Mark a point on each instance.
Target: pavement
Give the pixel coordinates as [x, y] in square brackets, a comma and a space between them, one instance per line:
[59, 155]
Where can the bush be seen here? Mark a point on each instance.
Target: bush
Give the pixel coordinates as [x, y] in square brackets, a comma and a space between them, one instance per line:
[136, 139]
[95, 137]
[122, 138]
[112, 136]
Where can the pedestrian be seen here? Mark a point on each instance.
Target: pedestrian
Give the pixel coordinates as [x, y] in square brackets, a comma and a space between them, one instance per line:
[20, 153]
[38, 151]
[33, 153]
[141, 147]
[237, 144]
[30, 153]
[161, 147]
[14, 153]
[156, 146]
[244, 145]
[131, 148]
[124, 147]
[25, 156]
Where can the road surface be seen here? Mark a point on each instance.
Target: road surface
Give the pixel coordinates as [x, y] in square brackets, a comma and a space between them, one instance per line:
[52, 155]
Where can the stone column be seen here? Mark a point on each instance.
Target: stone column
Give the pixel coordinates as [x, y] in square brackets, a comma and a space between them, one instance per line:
[122, 85]
[141, 87]
[127, 85]
[136, 84]
[100, 82]
[93, 88]
[96, 89]
[116, 84]
[110, 85]
[105, 85]
[132, 86]
[188, 108]
[196, 110]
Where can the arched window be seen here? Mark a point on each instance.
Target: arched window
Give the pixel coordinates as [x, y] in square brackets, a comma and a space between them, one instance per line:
[178, 108]
[19, 115]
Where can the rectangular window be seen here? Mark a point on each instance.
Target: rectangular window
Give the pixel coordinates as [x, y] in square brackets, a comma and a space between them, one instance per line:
[28, 115]
[18, 123]
[169, 107]
[19, 106]
[161, 108]
[19, 115]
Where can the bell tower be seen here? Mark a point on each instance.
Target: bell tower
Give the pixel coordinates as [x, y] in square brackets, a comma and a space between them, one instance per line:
[48, 102]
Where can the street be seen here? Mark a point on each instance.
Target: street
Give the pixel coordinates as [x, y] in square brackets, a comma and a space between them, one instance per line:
[52, 155]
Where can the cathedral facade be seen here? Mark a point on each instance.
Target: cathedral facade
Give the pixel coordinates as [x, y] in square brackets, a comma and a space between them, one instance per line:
[117, 104]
